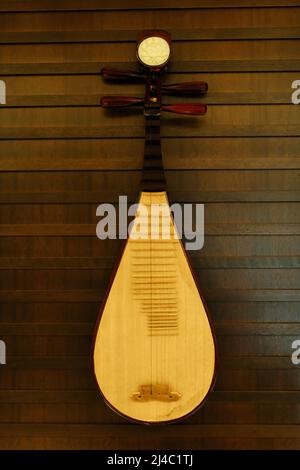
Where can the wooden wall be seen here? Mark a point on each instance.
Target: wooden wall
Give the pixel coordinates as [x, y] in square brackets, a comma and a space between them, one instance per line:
[61, 155]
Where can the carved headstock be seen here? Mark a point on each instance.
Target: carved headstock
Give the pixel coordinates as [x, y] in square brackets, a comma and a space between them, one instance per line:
[153, 53]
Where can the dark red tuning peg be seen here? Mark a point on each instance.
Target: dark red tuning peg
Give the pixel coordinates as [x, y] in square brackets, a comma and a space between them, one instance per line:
[186, 88]
[115, 101]
[182, 108]
[115, 74]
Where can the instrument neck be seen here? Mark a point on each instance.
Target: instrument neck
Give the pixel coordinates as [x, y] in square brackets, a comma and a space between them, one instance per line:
[153, 178]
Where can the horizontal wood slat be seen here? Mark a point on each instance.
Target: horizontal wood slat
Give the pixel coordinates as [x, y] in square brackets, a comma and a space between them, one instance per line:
[184, 52]
[270, 214]
[249, 245]
[249, 413]
[80, 197]
[230, 312]
[84, 362]
[220, 295]
[228, 380]
[86, 329]
[57, 37]
[65, 5]
[204, 153]
[50, 246]
[89, 230]
[234, 345]
[51, 132]
[209, 262]
[92, 279]
[140, 443]
[184, 21]
[92, 397]
[117, 431]
[196, 66]
[216, 181]
[235, 120]
[85, 90]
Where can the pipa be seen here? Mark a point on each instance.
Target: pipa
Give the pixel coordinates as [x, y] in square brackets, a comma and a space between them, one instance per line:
[154, 347]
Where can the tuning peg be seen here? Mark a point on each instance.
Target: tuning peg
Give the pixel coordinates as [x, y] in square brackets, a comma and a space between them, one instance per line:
[115, 101]
[186, 88]
[182, 108]
[124, 75]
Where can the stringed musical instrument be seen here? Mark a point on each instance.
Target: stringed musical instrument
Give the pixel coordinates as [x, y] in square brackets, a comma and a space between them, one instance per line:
[154, 348]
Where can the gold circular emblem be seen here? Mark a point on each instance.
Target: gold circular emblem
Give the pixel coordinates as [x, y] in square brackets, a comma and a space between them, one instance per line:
[154, 51]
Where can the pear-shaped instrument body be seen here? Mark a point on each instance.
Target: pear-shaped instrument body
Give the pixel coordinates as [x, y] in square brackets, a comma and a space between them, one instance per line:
[154, 350]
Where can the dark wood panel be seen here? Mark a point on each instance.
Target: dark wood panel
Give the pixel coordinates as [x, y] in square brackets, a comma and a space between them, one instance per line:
[189, 66]
[53, 5]
[271, 246]
[283, 180]
[198, 261]
[43, 312]
[89, 295]
[235, 120]
[84, 362]
[254, 311]
[89, 230]
[256, 363]
[86, 329]
[228, 379]
[248, 413]
[84, 90]
[183, 23]
[124, 52]
[55, 37]
[205, 153]
[71, 197]
[169, 130]
[92, 397]
[217, 213]
[111, 432]
[51, 363]
[195, 186]
[253, 380]
[230, 312]
[96, 278]
[46, 379]
[139, 442]
[189, 185]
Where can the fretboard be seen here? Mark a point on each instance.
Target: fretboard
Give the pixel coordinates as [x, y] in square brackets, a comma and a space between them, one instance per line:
[153, 178]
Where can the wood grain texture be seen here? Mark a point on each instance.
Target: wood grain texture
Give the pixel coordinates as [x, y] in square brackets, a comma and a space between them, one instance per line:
[54, 37]
[61, 156]
[189, 66]
[222, 121]
[33, 5]
[183, 23]
[94, 155]
[84, 90]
